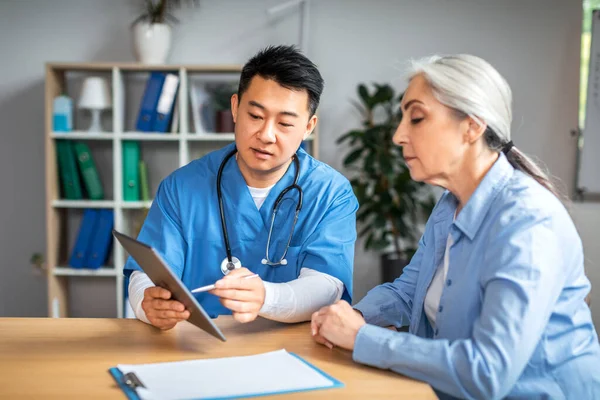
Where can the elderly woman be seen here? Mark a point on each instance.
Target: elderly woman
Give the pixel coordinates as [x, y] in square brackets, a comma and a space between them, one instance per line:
[494, 296]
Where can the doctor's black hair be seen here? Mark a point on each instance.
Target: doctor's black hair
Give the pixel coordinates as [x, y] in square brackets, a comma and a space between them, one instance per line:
[287, 66]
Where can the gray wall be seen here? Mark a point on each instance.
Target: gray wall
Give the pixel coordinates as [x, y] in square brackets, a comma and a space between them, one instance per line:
[533, 43]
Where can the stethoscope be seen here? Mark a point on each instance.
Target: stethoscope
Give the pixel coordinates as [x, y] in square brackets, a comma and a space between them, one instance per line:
[230, 263]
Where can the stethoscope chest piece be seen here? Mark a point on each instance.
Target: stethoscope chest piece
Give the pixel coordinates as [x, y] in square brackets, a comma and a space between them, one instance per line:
[227, 267]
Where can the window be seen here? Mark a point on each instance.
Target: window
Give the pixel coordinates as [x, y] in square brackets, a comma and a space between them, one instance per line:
[586, 40]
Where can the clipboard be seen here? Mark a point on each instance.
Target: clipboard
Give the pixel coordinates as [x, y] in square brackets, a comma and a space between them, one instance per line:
[275, 372]
[161, 275]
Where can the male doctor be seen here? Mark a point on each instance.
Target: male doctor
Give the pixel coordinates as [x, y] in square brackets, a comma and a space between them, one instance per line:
[273, 111]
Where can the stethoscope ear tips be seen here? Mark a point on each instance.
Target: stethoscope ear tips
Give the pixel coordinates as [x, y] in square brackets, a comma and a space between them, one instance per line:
[263, 261]
[284, 262]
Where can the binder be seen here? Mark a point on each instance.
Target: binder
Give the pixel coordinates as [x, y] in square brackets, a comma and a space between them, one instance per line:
[145, 192]
[67, 167]
[131, 180]
[88, 171]
[166, 104]
[275, 372]
[86, 230]
[101, 240]
[149, 101]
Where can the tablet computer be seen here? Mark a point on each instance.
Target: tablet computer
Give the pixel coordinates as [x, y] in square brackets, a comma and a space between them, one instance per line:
[161, 275]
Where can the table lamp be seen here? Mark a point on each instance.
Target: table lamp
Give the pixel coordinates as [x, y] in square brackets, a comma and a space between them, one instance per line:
[95, 97]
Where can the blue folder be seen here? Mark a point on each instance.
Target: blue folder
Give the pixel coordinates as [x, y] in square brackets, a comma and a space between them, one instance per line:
[166, 104]
[147, 112]
[101, 240]
[86, 231]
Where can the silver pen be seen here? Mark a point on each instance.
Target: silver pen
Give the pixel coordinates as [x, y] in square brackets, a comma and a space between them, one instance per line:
[211, 287]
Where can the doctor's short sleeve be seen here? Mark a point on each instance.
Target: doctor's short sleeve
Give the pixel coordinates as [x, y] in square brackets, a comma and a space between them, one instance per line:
[162, 230]
[330, 248]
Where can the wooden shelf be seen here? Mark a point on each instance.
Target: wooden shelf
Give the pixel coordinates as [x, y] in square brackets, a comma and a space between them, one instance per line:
[153, 136]
[83, 204]
[101, 204]
[133, 205]
[83, 135]
[135, 67]
[150, 136]
[68, 271]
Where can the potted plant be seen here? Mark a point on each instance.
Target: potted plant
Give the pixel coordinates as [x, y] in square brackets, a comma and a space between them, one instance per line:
[221, 102]
[152, 30]
[393, 207]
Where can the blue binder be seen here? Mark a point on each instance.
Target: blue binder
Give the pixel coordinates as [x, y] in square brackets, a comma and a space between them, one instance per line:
[147, 112]
[101, 241]
[166, 104]
[86, 231]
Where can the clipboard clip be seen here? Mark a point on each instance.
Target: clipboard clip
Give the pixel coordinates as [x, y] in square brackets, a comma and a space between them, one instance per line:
[131, 380]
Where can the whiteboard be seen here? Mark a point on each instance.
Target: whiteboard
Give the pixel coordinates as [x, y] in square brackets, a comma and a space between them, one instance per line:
[589, 167]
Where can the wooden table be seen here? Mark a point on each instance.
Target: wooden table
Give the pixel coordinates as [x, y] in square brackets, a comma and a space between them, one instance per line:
[69, 357]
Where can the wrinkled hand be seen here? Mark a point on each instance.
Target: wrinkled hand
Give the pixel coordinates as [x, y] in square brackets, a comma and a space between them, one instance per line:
[244, 297]
[336, 325]
[160, 311]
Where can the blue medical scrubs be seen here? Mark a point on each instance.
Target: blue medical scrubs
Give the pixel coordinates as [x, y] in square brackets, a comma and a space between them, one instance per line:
[184, 224]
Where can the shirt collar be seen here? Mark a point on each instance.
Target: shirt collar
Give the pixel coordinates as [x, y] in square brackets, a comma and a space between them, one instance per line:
[472, 215]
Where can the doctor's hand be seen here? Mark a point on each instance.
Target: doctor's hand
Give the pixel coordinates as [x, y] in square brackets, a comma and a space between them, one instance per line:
[337, 325]
[244, 297]
[160, 311]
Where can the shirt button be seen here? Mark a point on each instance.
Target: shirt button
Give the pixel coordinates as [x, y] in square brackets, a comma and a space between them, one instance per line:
[449, 282]
[440, 308]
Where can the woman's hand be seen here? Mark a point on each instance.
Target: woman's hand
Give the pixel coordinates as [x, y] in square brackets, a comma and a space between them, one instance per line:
[337, 325]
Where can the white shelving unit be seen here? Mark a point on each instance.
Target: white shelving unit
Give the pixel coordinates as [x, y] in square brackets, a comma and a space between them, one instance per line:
[58, 246]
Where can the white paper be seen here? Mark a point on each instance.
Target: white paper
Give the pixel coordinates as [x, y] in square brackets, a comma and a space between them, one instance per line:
[167, 97]
[272, 372]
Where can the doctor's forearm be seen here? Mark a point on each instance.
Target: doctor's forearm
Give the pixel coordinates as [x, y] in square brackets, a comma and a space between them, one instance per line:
[138, 283]
[295, 301]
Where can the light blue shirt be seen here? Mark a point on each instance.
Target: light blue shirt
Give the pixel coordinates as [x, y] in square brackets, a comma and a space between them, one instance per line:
[184, 224]
[512, 321]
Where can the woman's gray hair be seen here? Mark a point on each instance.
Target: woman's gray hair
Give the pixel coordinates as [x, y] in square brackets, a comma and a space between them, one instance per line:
[472, 87]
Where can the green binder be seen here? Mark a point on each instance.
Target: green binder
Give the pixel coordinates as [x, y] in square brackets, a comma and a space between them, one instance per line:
[88, 171]
[145, 192]
[131, 177]
[67, 169]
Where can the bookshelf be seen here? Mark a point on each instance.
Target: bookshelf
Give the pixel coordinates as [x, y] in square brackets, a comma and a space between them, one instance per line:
[163, 153]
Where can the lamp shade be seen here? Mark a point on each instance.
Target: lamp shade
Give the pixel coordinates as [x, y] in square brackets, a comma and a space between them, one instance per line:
[95, 94]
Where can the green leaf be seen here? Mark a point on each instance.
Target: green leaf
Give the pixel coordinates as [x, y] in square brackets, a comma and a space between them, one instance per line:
[346, 136]
[364, 95]
[384, 94]
[353, 156]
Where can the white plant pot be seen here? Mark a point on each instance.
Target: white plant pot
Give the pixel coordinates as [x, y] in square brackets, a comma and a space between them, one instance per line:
[151, 42]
